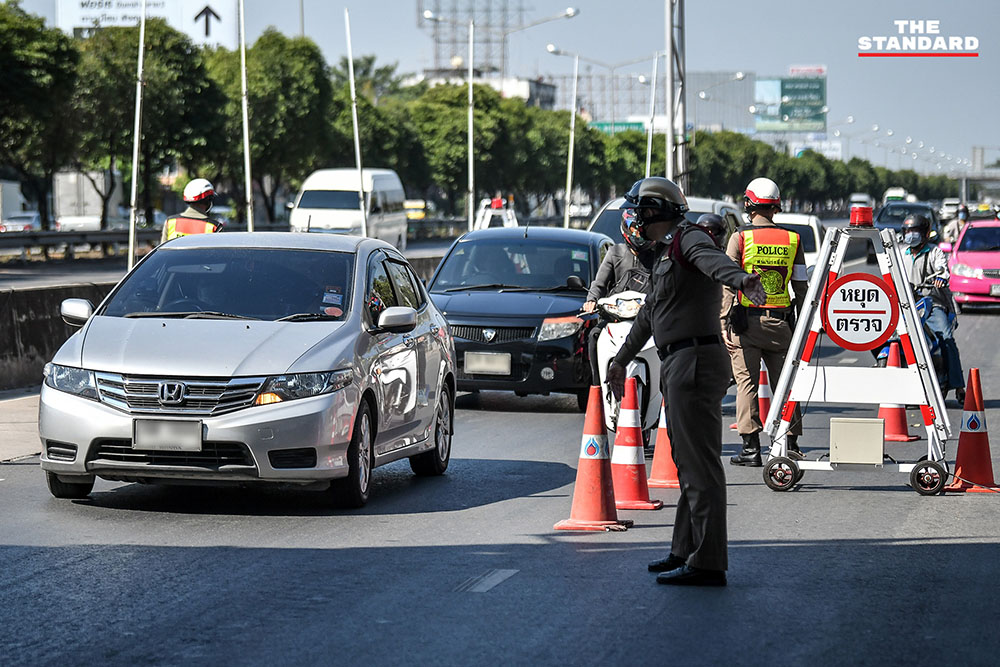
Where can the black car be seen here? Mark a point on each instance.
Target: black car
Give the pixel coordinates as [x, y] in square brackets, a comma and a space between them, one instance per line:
[892, 215]
[512, 297]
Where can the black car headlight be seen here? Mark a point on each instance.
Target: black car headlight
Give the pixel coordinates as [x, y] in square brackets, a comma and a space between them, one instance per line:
[302, 385]
[75, 381]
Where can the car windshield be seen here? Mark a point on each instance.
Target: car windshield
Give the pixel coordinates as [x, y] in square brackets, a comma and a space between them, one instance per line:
[980, 239]
[252, 283]
[336, 199]
[513, 263]
[806, 236]
[893, 215]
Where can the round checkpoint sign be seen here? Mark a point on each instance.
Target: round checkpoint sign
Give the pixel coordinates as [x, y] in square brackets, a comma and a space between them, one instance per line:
[860, 311]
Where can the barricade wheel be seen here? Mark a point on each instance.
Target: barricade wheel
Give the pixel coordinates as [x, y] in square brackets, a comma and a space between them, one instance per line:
[781, 473]
[928, 478]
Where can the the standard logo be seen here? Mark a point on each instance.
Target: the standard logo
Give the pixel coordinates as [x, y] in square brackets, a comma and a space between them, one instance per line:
[918, 39]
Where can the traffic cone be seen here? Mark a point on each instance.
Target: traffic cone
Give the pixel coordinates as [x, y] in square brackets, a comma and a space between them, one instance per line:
[628, 464]
[594, 493]
[664, 472]
[893, 413]
[973, 461]
[764, 395]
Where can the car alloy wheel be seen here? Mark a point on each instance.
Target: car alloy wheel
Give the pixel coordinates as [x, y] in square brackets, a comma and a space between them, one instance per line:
[435, 461]
[353, 491]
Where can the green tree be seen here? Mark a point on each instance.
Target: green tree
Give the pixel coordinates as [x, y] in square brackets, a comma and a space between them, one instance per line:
[371, 81]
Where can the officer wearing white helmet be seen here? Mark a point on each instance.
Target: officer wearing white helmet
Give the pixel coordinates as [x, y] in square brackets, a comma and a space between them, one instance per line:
[198, 195]
[680, 314]
[762, 331]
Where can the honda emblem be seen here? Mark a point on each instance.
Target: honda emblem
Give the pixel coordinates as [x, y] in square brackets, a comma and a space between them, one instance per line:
[171, 393]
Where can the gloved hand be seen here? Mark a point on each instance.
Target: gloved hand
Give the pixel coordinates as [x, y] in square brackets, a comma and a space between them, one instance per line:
[940, 282]
[616, 379]
[753, 290]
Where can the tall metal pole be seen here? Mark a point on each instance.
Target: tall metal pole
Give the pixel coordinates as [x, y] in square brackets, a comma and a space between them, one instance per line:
[302, 18]
[612, 101]
[246, 121]
[652, 115]
[682, 149]
[354, 120]
[572, 142]
[471, 194]
[668, 10]
[136, 133]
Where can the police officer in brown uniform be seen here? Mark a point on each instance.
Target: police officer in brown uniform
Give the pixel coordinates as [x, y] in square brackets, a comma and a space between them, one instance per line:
[680, 315]
[753, 332]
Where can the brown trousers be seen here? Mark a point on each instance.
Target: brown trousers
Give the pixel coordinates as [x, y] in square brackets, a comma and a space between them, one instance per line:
[766, 338]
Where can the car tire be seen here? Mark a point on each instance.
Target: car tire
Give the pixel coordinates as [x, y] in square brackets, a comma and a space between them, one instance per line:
[434, 462]
[68, 490]
[353, 491]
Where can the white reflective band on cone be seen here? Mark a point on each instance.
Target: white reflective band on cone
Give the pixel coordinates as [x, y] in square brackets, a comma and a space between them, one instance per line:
[628, 419]
[973, 421]
[594, 446]
[627, 455]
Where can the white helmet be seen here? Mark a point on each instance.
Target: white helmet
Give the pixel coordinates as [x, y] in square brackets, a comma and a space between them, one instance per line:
[198, 190]
[761, 192]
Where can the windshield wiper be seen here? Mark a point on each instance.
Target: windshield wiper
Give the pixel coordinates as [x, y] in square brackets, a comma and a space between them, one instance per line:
[555, 288]
[193, 314]
[489, 286]
[305, 317]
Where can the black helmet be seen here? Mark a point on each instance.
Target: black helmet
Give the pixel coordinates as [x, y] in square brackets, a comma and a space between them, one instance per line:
[962, 208]
[655, 199]
[917, 223]
[714, 225]
[632, 232]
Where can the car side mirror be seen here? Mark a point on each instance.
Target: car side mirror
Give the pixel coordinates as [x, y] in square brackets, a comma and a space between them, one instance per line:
[398, 319]
[575, 282]
[945, 246]
[76, 312]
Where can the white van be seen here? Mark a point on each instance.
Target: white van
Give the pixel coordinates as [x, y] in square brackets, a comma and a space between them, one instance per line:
[328, 202]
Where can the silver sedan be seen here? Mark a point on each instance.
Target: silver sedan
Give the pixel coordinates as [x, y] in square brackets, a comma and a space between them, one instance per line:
[237, 358]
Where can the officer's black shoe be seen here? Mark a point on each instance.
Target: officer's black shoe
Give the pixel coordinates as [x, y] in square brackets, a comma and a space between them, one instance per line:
[692, 576]
[667, 564]
[960, 395]
[750, 454]
[794, 452]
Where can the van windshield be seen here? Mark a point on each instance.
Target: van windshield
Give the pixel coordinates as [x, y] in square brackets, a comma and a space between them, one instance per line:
[338, 199]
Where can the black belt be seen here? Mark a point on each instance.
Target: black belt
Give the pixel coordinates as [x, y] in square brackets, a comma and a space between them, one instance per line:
[776, 313]
[688, 342]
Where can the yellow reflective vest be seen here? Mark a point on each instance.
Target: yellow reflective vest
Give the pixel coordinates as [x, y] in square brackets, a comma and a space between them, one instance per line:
[770, 253]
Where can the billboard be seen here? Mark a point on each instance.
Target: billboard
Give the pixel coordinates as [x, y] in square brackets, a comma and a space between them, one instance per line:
[794, 104]
[207, 22]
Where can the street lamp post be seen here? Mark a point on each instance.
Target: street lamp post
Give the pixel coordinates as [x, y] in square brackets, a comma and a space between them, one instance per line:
[569, 13]
[572, 129]
[471, 187]
[652, 111]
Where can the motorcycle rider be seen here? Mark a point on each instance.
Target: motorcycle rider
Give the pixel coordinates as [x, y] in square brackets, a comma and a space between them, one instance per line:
[626, 266]
[952, 229]
[198, 195]
[753, 333]
[715, 226]
[927, 267]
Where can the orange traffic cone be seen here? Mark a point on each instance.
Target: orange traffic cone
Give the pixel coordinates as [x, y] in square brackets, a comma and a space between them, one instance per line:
[594, 494]
[764, 394]
[664, 472]
[895, 414]
[973, 461]
[628, 464]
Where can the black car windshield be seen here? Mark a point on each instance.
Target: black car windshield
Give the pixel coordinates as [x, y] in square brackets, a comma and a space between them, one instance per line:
[980, 239]
[893, 215]
[335, 199]
[807, 238]
[513, 262]
[232, 283]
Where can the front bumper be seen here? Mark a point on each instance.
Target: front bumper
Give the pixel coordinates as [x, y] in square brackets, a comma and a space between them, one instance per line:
[975, 290]
[563, 361]
[84, 437]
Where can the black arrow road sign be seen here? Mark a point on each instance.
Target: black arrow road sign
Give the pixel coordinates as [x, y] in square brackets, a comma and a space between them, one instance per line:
[207, 13]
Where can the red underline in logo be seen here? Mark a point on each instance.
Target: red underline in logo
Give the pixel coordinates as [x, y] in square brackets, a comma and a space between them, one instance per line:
[918, 55]
[859, 312]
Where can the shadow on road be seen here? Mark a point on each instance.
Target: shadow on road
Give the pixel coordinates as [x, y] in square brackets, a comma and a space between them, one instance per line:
[506, 401]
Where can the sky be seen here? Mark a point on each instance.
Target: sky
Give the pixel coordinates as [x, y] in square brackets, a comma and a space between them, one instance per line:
[949, 103]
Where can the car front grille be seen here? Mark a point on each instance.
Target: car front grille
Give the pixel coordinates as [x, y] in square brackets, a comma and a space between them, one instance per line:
[197, 396]
[213, 455]
[991, 273]
[501, 335]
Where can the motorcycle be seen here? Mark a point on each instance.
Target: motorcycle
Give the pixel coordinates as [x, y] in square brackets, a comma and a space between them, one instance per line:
[619, 311]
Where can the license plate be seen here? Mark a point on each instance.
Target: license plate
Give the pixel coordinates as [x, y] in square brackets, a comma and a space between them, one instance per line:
[166, 435]
[487, 363]
[995, 290]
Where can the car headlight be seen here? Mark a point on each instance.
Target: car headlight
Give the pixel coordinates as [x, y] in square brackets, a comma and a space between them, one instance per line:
[75, 381]
[967, 271]
[302, 385]
[559, 327]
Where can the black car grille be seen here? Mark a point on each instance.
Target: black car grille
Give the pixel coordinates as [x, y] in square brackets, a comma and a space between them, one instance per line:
[60, 451]
[199, 396]
[213, 455]
[501, 335]
[991, 273]
[302, 457]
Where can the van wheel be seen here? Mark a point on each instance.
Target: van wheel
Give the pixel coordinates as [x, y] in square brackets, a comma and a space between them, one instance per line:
[353, 491]
[69, 490]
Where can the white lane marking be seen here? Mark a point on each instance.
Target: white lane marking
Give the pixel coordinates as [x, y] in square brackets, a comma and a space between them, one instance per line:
[485, 581]
[856, 262]
[846, 360]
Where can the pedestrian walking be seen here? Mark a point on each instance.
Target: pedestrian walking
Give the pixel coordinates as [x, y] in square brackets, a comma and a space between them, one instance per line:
[681, 314]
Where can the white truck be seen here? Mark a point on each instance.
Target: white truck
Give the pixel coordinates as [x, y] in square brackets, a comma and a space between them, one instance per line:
[11, 199]
[77, 205]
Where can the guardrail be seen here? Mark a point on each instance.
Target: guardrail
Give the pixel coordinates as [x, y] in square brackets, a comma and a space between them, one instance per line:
[108, 241]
